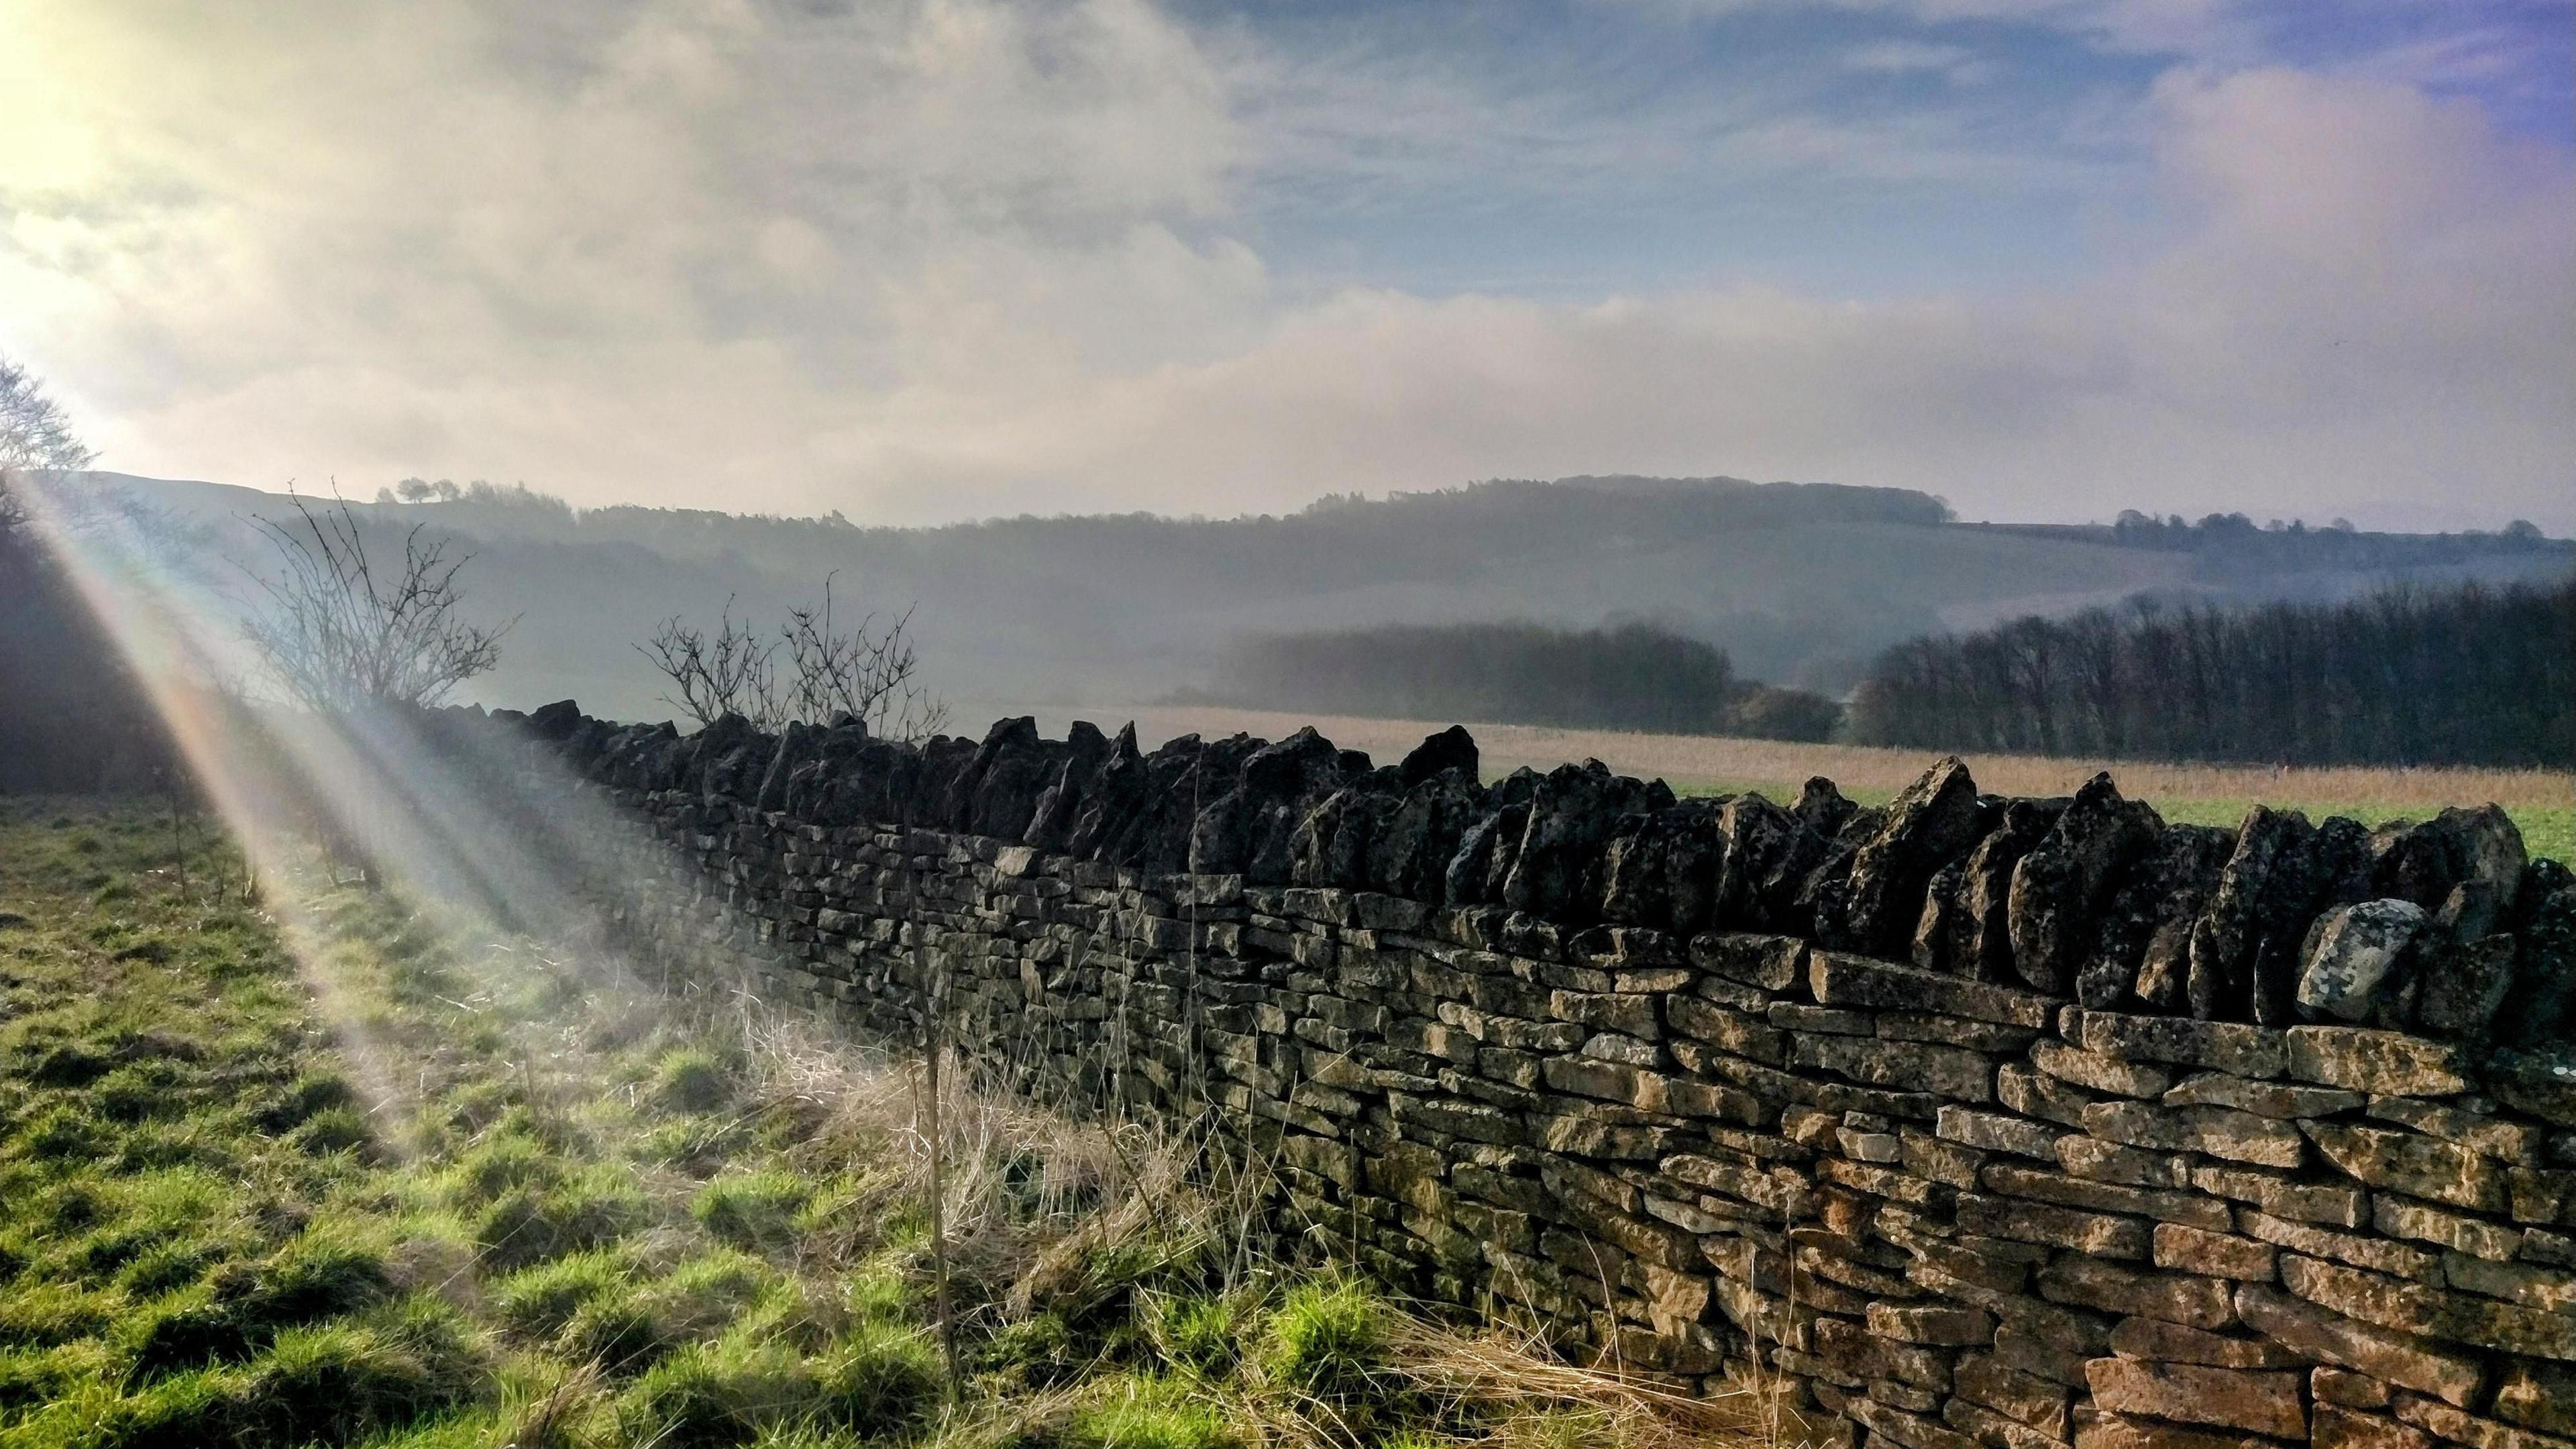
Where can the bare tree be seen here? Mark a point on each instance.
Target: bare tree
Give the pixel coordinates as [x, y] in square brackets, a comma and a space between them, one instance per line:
[35, 434]
[35, 437]
[732, 673]
[345, 630]
[871, 675]
[864, 672]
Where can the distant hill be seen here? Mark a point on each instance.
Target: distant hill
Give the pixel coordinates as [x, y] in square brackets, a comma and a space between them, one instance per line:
[1799, 583]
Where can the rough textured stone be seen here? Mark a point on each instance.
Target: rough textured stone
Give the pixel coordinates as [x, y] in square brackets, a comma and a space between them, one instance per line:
[2396, 1356]
[1996, 1132]
[2100, 1072]
[2155, 1338]
[2034, 1093]
[2100, 1234]
[2375, 1061]
[2351, 1390]
[2069, 1191]
[2338, 1428]
[2397, 1217]
[2284, 1197]
[2538, 1396]
[2142, 955]
[2261, 1403]
[2398, 1260]
[2448, 1423]
[2221, 1046]
[1930, 823]
[2480, 1131]
[2175, 1298]
[1767, 962]
[2416, 1308]
[2351, 953]
[2542, 1005]
[2217, 1255]
[1951, 1072]
[2531, 1286]
[2060, 888]
[1932, 1324]
[2244, 948]
[2024, 1398]
[2113, 1431]
[2411, 1163]
[1840, 980]
[2091, 1157]
[2465, 985]
[1966, 927]
[2264, 1099]
[2217, 1131]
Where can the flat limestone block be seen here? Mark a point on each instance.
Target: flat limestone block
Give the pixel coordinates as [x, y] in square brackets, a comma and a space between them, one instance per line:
[2258, 1401]
[1840, 980]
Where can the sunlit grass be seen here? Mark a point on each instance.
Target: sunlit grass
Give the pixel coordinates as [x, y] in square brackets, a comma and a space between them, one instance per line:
[566, 1214]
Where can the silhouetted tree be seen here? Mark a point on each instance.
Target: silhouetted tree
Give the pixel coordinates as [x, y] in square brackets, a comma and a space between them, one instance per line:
[1630, 676]
[2468, 675]
[73, 715]
[348, 627]
[733, 672]
[866, 673]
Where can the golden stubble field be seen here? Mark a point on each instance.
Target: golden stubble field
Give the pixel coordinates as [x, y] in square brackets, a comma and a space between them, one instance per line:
[2542, 802]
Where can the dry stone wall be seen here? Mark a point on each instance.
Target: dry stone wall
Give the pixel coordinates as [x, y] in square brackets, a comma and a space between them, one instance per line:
[2003, 1123]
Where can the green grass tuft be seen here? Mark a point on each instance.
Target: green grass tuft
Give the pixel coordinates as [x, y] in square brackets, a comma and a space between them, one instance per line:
[531, 1224]
[754, 1210]
[535, 1303]
[1327, 1343]
[881, 1380]
[1149, 1414]
[692, 1079]
[714, 1396]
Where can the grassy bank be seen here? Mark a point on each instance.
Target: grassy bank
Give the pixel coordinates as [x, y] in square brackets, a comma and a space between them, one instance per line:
[2541, 802]
[352, 1173]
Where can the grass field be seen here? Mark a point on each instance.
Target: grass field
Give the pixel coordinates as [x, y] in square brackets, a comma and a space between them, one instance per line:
[2541, 802]
[353, 1173]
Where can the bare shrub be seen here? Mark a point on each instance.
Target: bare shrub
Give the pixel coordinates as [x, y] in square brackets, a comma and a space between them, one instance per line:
[871, 675]
[733, 672]
[346, 629]
[864, 672]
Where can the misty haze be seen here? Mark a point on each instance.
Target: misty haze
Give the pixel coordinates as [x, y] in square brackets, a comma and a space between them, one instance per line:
[1165, 724]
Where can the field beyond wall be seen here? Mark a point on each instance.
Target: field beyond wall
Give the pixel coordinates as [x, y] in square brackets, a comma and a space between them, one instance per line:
[2541, 802]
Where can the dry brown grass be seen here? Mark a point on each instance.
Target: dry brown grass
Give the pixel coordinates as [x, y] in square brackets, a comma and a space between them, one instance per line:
[1110, 1190]
[1868, 772]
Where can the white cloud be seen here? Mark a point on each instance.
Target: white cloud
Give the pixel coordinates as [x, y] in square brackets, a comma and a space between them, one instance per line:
[1957, 63]
[956, 257]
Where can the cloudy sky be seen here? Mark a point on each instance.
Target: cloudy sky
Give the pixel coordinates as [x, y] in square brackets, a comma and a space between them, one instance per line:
[918, 261]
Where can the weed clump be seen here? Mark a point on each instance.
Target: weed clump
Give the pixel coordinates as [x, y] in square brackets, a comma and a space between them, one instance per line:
[531, 1224]
[713, 1396]
[691, 1079]
[1328, 1343]
[881, 1380]
[1199, 1335]
[755, 1211]
[1144, 1413]
[537, 1302]
[338, 1382]
[247, 1305]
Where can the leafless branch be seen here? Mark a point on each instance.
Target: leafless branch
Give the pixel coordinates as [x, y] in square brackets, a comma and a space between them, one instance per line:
[871, 675]
[732, 673]
[345, 630]
[864, 673]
